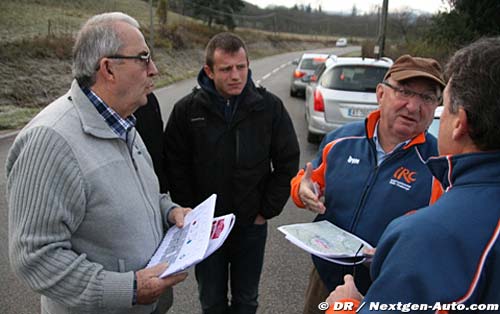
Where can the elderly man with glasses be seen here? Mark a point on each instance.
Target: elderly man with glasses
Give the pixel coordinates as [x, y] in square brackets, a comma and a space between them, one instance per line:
[85, 210]
[373, 171]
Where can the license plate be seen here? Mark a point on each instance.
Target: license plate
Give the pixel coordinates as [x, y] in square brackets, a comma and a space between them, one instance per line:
[358, 112]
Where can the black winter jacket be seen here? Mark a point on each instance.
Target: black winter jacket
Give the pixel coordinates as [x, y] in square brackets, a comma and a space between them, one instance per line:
[247, 161]
[150, 126]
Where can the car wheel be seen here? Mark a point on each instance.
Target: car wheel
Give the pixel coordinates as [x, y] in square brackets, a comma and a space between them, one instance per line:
[293, 93]
[313, 138]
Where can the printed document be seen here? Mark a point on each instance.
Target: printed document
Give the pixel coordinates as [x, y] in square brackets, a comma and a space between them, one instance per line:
[201, 235]
[327, 241]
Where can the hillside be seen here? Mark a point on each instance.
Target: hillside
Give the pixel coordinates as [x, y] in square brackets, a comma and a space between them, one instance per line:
[36, 39]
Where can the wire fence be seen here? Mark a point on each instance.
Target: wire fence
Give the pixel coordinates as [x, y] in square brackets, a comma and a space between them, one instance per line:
[24, 19]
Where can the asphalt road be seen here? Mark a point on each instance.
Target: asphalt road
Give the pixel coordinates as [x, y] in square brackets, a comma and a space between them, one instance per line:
[286, 267]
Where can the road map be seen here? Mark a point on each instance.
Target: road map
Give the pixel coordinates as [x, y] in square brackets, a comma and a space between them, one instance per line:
[326, 240]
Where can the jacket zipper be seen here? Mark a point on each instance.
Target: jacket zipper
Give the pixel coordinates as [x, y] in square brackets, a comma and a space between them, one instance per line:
[142, 183]
[369, 187]
[237, 146]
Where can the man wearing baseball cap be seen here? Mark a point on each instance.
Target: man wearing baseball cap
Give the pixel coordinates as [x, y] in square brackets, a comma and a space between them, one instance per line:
[373, 171]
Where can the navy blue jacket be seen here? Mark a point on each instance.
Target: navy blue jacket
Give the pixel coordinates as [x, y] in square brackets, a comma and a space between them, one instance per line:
[448, 252]
[364, 198]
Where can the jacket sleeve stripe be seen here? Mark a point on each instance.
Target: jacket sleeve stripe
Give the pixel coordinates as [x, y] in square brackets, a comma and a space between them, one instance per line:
[437, 190]
[318, 174]
[481, 263]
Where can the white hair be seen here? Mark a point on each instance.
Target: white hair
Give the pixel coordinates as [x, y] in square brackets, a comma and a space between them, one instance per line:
[97, 38]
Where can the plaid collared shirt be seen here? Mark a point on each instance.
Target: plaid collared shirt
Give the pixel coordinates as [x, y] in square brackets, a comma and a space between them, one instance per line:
[119, 125]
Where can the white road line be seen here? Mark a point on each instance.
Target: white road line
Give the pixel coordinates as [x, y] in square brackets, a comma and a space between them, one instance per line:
[274, 71]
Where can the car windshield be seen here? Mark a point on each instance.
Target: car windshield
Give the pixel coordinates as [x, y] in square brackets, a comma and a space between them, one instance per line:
[353, 78]
[311, 64]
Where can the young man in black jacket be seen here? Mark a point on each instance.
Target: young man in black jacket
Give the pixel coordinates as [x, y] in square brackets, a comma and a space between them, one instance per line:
[237, 140]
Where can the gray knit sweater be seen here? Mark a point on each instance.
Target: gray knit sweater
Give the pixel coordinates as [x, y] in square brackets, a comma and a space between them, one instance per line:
[84, 209]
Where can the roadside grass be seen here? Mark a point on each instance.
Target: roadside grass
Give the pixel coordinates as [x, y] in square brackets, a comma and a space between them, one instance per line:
[352, 54]
[37, 37]
[27, 18]
[12, 117]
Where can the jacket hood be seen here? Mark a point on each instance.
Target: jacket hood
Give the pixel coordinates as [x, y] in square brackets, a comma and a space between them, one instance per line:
[471, 168]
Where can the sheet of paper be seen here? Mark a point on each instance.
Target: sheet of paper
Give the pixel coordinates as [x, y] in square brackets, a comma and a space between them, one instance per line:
[221, 227]
[184, 247]
[324, 239]
[348, 261]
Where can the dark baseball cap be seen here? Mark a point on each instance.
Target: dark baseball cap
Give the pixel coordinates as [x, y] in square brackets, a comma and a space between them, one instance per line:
[407, 67]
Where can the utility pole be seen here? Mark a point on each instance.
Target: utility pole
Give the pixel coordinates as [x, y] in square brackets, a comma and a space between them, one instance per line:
[151, 28]
[275, 25]
[382, 30]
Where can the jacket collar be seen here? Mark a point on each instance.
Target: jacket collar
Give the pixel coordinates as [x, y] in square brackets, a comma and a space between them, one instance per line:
[92, 122]
[371, 123]
[247, 101]
[471, 168]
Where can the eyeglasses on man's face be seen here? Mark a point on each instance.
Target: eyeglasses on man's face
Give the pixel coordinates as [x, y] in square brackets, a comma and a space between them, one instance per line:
[145, 57]
[406, 94]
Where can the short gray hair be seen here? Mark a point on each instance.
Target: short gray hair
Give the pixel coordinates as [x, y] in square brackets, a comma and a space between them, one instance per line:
[97, 38]
[474, 73]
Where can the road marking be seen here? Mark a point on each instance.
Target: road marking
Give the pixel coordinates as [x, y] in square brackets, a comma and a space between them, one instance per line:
[274, 71]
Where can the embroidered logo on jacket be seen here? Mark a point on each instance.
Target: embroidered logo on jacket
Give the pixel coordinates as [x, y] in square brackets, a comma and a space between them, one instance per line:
[352, 161]
[403, 177]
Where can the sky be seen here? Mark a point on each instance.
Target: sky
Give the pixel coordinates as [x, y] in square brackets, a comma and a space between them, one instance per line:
[362, 6]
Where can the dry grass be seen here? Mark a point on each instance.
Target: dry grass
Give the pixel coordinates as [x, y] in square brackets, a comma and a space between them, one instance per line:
[35, 68]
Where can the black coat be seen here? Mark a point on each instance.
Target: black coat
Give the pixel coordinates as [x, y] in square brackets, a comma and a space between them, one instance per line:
[150, 127]
[247, 161]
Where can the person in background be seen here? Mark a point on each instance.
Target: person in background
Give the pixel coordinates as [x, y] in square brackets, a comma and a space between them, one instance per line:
[373, 171]
[149, 125]
[85, 210]
[449, 252]
[237, 140]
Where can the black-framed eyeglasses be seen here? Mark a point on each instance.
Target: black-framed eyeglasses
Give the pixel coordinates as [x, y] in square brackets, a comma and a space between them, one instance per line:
[146, 58]
[406, 94]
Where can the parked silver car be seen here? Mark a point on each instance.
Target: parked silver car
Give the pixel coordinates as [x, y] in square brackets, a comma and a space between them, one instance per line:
[344, 92]
[306, 67]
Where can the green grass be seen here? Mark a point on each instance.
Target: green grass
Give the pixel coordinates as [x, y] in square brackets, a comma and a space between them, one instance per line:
[24, 18]
[12, 117]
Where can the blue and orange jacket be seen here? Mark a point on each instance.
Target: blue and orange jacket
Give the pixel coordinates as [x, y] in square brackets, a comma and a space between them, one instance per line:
[448, 252]
[362, 197]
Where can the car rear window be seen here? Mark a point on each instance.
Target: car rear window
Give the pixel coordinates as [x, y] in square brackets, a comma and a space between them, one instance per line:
[353, 78]
[311, 64]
